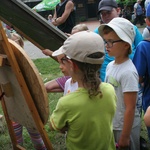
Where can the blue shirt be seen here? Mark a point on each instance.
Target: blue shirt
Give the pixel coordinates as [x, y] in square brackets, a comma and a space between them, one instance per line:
[142, 64]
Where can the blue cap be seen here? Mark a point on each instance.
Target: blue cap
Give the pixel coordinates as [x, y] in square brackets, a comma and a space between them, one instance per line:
[107, 5]
[148, 11]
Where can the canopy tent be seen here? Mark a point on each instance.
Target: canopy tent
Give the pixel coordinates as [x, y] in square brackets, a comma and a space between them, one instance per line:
[46, 5]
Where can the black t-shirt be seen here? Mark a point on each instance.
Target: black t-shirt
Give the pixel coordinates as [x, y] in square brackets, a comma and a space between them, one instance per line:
[70, 22]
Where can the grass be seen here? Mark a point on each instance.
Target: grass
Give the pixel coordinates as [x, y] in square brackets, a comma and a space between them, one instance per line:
[49, 69]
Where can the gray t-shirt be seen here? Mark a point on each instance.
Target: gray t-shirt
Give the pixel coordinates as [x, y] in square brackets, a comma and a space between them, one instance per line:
[124, 78]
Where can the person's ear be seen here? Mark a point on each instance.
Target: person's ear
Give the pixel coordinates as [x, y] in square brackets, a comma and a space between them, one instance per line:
[127, 47]
[73, 65]
[118, 10]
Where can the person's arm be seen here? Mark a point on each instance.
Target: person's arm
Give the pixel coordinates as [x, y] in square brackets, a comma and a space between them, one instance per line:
[130, 104]
[68, 9]
[63, 130]
[59, 117]
[48, 52]
[53, 86]
[135, 12]
[147, 117]
[55, 15]
[135, 7]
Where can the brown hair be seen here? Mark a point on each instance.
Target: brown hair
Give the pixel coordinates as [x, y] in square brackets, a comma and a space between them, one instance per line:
[91, 74]
[107, 30]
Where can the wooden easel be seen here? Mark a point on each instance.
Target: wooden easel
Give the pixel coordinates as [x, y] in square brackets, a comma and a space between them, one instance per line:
[22, 93]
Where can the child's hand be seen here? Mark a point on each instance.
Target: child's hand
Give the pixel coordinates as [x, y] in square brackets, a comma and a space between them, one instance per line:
[47, 52]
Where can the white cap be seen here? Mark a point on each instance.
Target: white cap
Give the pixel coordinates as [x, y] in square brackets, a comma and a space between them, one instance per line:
[122, 27]
[82, 44]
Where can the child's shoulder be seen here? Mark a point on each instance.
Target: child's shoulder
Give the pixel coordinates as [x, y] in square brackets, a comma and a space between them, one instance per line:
[107, 89]
[105, 85]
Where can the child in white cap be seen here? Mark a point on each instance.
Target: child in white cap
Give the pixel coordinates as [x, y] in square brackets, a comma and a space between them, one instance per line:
[87, 113]
[118, 36]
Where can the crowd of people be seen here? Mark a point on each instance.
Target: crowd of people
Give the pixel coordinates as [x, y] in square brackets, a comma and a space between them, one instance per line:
[121, 66]
[106, 80]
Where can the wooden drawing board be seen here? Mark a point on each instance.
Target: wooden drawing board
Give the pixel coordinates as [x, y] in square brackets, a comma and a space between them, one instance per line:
[23, 96]
[31, 25]
[16, 105]
[20, 76]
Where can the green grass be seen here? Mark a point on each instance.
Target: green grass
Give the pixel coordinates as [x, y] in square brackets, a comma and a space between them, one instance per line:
[49, 69]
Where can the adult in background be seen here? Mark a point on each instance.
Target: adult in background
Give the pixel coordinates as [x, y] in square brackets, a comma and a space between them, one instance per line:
[138, 13]
[64, 16]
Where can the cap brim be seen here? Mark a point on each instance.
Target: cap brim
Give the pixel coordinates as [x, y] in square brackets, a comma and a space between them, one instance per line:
[108, 8]
[58, 52]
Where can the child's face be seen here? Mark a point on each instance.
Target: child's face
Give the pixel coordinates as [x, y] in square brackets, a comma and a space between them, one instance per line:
[114, 45]
[63, 64]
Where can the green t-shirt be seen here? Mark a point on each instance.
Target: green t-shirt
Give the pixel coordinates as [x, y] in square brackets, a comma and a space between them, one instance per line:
[89, 120]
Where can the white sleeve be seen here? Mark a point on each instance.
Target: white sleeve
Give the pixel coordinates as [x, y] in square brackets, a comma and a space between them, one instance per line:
[146, 34]
[67, 86]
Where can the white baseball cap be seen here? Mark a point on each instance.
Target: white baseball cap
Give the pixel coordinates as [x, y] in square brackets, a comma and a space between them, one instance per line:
[122, 27]
[82, 44]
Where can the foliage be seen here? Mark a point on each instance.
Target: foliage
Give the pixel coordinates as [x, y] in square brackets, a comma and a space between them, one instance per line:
[46, 5]
[126, 2]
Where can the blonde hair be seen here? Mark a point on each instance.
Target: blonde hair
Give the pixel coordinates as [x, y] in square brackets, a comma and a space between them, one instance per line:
[17, 38]
[79, 27]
